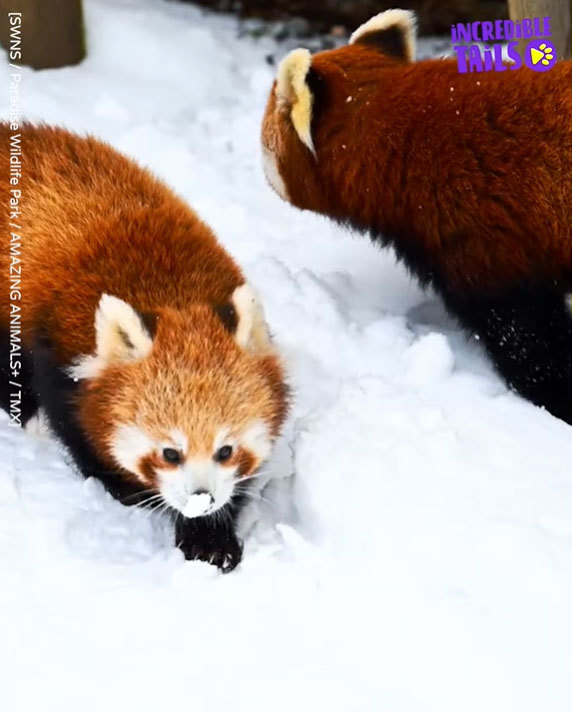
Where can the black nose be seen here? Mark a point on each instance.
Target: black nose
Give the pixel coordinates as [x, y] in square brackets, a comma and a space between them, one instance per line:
[204, 491]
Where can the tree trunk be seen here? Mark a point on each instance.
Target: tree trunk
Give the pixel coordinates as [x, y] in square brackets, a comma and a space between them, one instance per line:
[559, 13]
[52, 32]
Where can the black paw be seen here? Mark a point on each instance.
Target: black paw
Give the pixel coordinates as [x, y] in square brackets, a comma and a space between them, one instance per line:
[207, 540]
[225, 558]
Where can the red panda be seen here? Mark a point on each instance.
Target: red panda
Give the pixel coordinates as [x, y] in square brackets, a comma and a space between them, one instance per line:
[142, 344]
[467, 176]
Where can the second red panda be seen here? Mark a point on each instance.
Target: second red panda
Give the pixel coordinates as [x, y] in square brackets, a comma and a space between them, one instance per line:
[142, 344]
[467, 176]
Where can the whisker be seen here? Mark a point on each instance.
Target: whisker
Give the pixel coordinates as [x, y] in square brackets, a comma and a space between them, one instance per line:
[256, 497]
[166, 507]
[156, 499]
[157, 507]
[250, 477]
[139, 494]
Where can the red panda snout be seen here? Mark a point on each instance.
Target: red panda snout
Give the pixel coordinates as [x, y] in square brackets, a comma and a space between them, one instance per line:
[193, 483]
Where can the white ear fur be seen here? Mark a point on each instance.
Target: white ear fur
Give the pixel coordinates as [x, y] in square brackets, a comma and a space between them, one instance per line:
[292, 89]
[403, 20]
[252, 331]
[120, 336]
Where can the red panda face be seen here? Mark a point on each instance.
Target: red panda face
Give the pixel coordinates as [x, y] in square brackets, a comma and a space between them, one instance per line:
[311, 127]
[179, 403]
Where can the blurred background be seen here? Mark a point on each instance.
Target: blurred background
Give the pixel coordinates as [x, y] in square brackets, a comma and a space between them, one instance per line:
[54, 29]
[343, 16]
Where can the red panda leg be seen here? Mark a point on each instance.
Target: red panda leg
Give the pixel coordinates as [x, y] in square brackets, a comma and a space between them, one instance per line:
[528, 335]
[17, 397]
[212, 538]
[56, 392]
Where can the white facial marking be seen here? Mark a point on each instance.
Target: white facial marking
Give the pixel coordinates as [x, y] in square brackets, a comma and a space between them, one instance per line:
[568, 301]
[257, 440]
[129, 445]
[198, 486]
[270, 166]
[202, 478]
[179, 441]
[223, 438]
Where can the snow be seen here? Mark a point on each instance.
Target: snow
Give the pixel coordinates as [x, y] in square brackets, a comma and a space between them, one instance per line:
[197, 504]
[419, 558]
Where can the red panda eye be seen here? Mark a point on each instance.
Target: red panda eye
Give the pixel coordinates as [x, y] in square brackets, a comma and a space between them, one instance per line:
[172, 456]
[223, 453]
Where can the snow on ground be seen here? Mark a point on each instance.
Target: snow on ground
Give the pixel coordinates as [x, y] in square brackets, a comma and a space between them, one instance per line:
[419, 559]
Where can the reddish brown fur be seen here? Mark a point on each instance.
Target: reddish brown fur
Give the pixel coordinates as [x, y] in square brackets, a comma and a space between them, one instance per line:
[84, 205]
[438, 158]
[246, 462]
[93, 222]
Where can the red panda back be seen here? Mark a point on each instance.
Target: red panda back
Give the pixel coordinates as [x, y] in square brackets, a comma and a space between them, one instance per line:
[144, 347]
[422, 152]
[442, 155]
[466, 175]
[87, 210]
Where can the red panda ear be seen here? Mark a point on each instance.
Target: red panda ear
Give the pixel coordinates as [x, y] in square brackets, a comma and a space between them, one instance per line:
[121, 333]
[251, 330]
[391, 32]
[293, 92]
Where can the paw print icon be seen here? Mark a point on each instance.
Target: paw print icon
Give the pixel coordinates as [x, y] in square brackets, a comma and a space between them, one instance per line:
[540, 55]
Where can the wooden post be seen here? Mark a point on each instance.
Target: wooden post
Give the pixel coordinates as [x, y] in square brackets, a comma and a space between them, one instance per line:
[559, 13]
[52, 32]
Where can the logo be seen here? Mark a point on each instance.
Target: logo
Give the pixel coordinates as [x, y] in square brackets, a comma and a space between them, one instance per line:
[479, 45]
[540, 55]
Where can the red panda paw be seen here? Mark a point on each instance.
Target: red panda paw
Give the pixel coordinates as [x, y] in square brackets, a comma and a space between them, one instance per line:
[205, 539]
